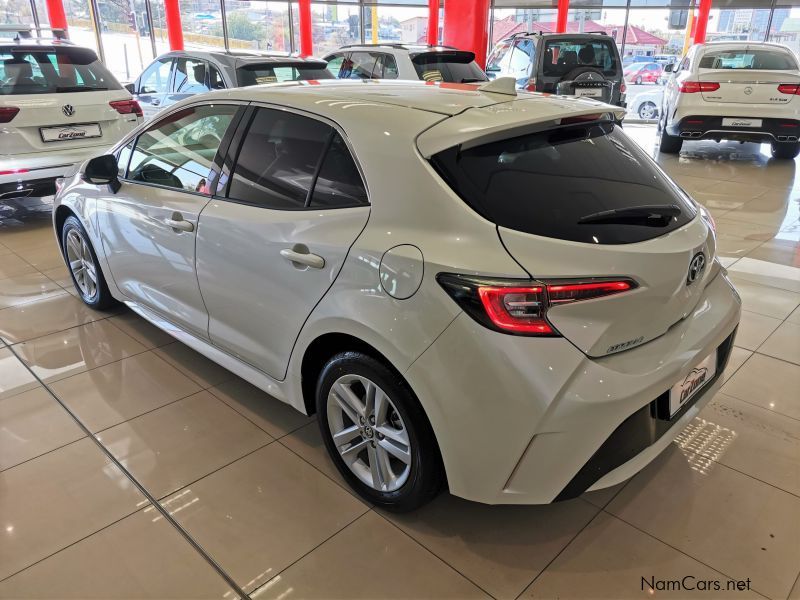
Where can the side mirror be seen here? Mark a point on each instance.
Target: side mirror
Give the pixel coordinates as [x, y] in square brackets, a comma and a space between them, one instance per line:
[130, 87]
[669, 68]
[102, 170]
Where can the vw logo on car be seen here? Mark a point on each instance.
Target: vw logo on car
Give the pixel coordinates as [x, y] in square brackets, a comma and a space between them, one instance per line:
[68, 110]
[696, 268]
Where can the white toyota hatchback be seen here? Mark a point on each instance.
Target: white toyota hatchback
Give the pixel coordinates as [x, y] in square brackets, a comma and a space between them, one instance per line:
[734, 91]
[58, 106]
[501, 292]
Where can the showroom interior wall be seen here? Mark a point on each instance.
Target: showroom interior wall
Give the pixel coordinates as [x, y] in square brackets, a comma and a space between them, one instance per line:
[130, 33]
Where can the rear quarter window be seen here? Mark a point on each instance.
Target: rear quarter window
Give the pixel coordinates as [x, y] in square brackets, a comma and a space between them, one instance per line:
[544, 183]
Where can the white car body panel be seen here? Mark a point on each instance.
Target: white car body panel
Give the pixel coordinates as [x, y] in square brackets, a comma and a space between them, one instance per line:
[515, 417]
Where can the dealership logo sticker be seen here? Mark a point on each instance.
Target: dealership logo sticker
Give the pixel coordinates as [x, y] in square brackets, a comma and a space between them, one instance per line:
[696, 268]
[70, 133]
[693, 381]
[68, 110]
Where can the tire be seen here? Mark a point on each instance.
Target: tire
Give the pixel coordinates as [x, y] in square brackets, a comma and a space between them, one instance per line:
[785, 150]
[77, 247]
[398, 422]
[669, 144]
[638, 80]
[648, 111]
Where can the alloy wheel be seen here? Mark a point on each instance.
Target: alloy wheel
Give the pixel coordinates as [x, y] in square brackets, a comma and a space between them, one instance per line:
[369, 433]
[81, 263]
[648, 111]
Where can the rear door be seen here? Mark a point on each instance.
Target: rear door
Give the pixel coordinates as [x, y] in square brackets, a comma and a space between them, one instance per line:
[190, 77]
[62, 98]
[273, 241]
[748, 75]
[547, 193]
[154, 85]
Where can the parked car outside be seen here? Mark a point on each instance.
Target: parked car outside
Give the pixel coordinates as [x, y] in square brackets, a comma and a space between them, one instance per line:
[389, 270]
[646, 105]
[58, 106]
[181, 74]
[743, 91]
[584, 65]
[405, 61]
[640, 73]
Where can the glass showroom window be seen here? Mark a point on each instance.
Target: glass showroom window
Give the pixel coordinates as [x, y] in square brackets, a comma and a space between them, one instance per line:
[785, 26]
[396, 24]
[202, 24]
[159, 26]
[125, 36]
[333, 26]
[258, 25]
[15, 11]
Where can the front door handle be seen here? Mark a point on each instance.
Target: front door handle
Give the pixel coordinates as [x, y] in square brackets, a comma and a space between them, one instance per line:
[303, 258]
[155, 101]
[178, 222]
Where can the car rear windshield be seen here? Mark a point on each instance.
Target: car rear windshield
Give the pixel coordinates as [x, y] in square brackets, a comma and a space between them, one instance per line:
[52, 70]
[453, 67]
[276, 73]
[546, 183]
[763, 60]
[563, 55]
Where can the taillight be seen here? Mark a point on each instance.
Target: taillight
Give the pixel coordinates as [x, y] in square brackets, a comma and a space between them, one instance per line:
[692, 87]
[623, 88]
[520, 308]
[789, 88]
[127, 107]
[706, 215]
[13, 171]
[531, 87]
[583, 118]
[7, 113]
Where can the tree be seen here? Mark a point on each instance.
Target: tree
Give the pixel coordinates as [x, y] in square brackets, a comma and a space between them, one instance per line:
[241, 28]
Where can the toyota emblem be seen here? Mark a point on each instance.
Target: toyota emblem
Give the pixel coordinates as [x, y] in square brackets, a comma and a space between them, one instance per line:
[696, 268]
[68, 110]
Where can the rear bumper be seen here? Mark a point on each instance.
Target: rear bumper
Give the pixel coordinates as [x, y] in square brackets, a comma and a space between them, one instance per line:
[523, 420]
[43, 166]
[711, 127]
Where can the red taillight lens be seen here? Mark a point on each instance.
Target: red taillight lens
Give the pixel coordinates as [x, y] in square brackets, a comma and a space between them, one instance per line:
[507, 306]
[7, 113]
[127, 107]
[13, 171]
[623, 88]
[583, 118]
[692, 87]
[789, 88]
[516, 309]
[531, 87]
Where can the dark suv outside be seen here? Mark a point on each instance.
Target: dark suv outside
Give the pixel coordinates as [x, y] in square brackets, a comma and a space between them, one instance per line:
[584, 64]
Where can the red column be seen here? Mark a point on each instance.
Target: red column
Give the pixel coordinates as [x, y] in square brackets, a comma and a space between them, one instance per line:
[433, 22]
[55, 12]
[702, 21]
[561, 18]
[304, 18]
[467, 29]
[172, 12]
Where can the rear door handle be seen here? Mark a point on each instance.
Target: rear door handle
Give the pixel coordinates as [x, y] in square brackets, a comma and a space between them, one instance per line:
[303, 258]
[178, 222]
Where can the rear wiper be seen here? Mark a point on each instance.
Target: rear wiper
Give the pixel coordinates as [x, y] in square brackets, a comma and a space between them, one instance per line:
[655, 215]
[79, 88]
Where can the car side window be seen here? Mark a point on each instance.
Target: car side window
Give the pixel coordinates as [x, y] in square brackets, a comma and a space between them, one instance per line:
[155, 80]
[390, 70]
[277, 160]
[190, 76]
[338, 184]
[362, 64]
[521, 57]
[335, 64]
[123, 158]
[179, 150]
[215, 80]
[684, 66]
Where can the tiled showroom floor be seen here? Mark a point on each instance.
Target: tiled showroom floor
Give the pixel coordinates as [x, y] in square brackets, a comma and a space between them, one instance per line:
[256, 502]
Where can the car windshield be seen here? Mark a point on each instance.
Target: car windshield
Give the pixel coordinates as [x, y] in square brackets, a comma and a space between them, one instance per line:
[545, 183]
[747, 58]
[52, 70]
[256, 74]
[453, 67]
[563, 55]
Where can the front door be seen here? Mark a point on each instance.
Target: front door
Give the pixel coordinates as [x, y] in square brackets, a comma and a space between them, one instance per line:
[148, 227]
[269, 250]
[153, 86]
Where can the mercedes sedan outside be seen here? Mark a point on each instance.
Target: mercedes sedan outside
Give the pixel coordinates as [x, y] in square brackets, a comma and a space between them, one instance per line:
[470, 287]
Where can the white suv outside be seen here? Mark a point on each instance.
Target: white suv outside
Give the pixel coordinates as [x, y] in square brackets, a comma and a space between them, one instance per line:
[745, 91]
[405, 61]
[497, 291]
[58, 106]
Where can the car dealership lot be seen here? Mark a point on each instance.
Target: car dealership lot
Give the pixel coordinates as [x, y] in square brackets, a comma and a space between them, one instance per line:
[247, 479]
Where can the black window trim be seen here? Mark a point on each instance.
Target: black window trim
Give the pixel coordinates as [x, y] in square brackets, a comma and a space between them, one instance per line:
[232, 127]
[232, 158]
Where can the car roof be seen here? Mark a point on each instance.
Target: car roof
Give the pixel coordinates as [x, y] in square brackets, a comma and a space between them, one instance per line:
[238, 58]
[743, 44]
[408, 47]
[549, 35]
